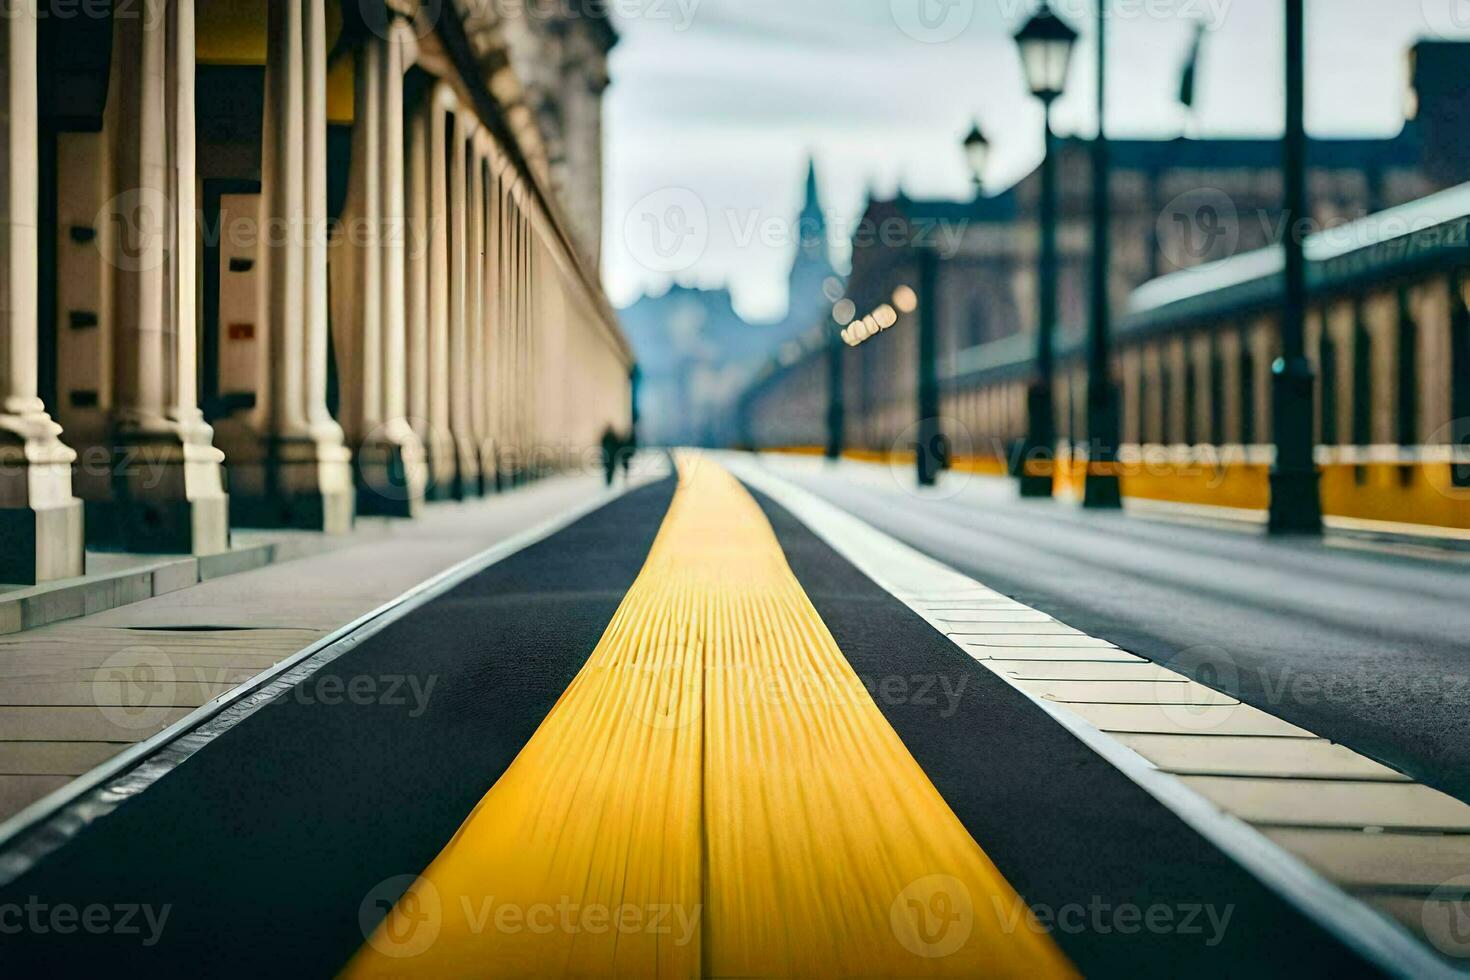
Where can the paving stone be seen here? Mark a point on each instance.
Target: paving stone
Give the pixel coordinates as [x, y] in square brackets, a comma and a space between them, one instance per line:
[128, 693]
[1440, 923]
[1328, 803]
[19, 792]
[54, 758]
[1056, 655]
[1229, 719]
[1233, 755]
[1386, 861]
[1127, 692]
[1027, 638]
[82, 723]
[1129, 669]
[941, 595]
[1019, 615]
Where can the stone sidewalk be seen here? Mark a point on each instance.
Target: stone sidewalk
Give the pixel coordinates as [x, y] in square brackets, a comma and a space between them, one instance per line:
[75, 693]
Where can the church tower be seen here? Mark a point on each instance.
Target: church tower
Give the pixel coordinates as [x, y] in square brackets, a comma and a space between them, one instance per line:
[813, 264]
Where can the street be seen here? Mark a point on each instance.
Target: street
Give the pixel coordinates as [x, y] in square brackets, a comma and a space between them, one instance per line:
[1366, 645]
[522, 743]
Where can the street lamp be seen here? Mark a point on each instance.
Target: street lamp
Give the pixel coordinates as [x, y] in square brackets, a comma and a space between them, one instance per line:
[843, 312]
[1101, 488]
[1046, 53]
[1046, 44]
[977, 154]
[930, 456]
[1296, 505]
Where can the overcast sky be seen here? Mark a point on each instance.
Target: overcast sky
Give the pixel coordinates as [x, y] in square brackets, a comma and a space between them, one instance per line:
[715, 105]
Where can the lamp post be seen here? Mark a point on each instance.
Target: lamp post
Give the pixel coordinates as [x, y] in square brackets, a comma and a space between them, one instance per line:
[1296, 507]
[1046, 44]
[930, 452]
[843, 312]
[1101, 489]
[977, 154]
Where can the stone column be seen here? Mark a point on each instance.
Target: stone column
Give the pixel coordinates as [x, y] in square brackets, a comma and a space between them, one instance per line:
[390, 472]
[475, 304]
[505, 343]
[500, 332]
[443, 463]
[525, 392]
[40, 520]
[299, 474]
[168, 492]
[467, 480]
[516, 290]
[416, 295]
[491, 291]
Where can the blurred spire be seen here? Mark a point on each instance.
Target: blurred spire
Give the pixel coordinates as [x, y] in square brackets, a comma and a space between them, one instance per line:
[1189, 81]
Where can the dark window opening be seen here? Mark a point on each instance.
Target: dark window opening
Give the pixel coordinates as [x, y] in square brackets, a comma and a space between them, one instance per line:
[1408, 375]
[1362, 380]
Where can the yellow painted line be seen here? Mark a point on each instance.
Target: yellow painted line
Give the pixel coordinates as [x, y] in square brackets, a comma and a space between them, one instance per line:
[1418, 497]
[715, 794]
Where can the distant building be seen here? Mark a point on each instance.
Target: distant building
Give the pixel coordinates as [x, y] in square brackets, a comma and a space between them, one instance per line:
[696, 354]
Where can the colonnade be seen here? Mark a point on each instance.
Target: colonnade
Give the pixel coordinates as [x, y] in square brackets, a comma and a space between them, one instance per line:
[438, 336]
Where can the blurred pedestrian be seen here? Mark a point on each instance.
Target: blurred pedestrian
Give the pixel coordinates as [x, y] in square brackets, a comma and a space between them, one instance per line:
[610, 447]
[629, 450]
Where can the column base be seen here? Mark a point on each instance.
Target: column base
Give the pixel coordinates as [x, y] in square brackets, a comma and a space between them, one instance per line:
[1295, 502]
[41, 544]
[391, 472]
[300, 483]
[510, 470]
[168, 493]
[1102, 488]
[467, 472]
[1102, 491]
[1296, 492]
[489, 471]
[41, 523]
[1037, 463]
[442, 467]
[1036, 486]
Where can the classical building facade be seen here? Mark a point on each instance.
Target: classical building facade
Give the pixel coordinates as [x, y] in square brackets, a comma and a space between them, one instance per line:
[279, 262]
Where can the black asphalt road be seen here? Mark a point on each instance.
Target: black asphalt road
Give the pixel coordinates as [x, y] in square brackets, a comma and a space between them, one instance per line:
[1369, 648]
[265, 846]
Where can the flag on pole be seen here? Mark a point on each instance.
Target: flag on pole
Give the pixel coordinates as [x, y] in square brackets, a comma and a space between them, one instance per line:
[1191, 68]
